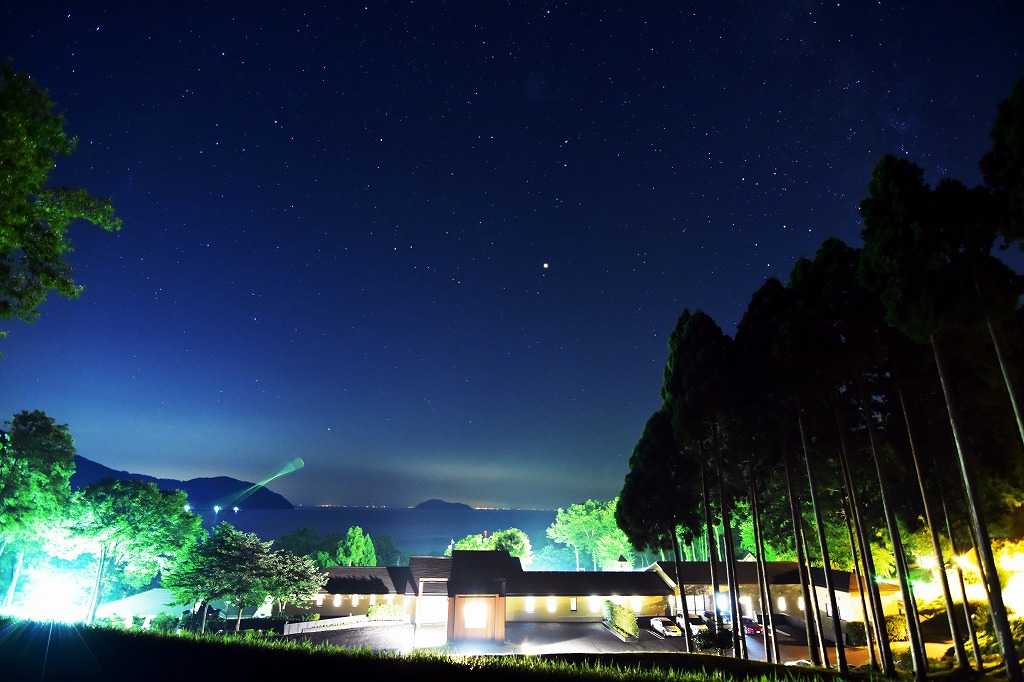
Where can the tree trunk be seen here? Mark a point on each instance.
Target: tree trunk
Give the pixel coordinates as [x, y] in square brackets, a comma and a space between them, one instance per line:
[862, 588]
[814, 608]
[771, 644]
[811, 632]
[913, 629]
[206, 609]
[1007, 382]
[738, 640]
[712, 549]
[875, 598]
[97, 586]
[1000, 620]
[837, 626]
[19, 561]
[687, 635]
[960, 578]
[954, 625]
[238, 621]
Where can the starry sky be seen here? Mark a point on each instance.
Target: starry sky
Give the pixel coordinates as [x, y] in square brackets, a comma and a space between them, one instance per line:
[436, 249]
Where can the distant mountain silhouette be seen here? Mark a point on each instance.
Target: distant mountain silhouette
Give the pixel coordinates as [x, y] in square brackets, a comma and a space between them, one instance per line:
[203, 493]
[434, 505]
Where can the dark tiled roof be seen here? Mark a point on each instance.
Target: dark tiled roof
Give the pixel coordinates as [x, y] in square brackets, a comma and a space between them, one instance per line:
[368, 580]
[482, 572]
[431, 573]
[778, 573]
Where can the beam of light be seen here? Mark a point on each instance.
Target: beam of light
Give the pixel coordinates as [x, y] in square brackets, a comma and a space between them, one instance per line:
[288, 467]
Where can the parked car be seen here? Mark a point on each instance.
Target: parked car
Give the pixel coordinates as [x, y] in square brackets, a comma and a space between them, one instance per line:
[665, 627]
[696, 624]
[751, 626]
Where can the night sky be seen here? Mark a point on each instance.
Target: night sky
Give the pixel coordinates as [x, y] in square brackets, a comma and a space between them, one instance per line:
[436, 249]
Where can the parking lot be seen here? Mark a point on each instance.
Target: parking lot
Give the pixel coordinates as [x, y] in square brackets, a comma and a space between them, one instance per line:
[535, 638]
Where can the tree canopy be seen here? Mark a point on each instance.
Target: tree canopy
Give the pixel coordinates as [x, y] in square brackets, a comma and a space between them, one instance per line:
[34, 218]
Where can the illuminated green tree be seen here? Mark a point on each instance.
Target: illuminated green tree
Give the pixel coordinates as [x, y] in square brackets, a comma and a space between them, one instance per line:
[132, 527]
[582, 526]
[356, 549]
[34, 218]
[36, 463]
[292, 579]
[512, 540]
[516, 543]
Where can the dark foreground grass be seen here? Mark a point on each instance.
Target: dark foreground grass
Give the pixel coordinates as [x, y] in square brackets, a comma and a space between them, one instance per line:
[44, 652]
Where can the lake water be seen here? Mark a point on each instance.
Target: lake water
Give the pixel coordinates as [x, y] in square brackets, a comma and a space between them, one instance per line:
[419, 532]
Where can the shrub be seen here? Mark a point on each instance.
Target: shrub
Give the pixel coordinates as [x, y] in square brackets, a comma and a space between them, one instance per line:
[710, 640]
[856, 633]
[164, 622]
[621, 619]
[896, 628]
[386, 612]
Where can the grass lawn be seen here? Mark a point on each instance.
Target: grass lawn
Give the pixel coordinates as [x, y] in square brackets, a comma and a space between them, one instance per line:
[43, 652]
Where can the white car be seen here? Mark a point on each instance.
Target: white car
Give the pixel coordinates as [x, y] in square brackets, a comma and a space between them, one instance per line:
[666, 627]
[696, 624]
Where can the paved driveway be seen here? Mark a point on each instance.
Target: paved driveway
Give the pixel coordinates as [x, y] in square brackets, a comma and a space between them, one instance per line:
[520, 637]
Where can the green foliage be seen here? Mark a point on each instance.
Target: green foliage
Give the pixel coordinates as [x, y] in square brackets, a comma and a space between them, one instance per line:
[582, 527]
[356, 549]
[512, 540]
[856, 633]
[711, 640]
[621, 619]
[896, 628]
[131, 526]
[388, 553]
[241, 568]
[387, 612]
[34, 218]
[36, 464]
[165, 622]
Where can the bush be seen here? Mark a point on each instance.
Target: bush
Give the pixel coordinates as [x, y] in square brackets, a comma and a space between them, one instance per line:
[896, 628]
[710, 640]
[386, 612]
[164, 622]
[621, 619]
[856, 634]
[303, 617]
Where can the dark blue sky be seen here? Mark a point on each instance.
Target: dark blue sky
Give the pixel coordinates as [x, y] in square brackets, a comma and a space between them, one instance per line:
[436, 249]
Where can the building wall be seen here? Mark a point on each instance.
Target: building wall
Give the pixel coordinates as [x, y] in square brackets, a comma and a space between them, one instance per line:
[589, 608]
[337, 605]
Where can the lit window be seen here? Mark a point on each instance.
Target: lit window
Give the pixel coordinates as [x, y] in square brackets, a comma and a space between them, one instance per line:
[552, 604]
[572, 603]
[595, 604]
[746, 605]
[800, 603]
[782, 603]
[355, 600]
[529, 604]
[636, 603]
[373, 599]
[474, 615]
[617, 600]
[320, 600]
[389, 598]
[337, 600]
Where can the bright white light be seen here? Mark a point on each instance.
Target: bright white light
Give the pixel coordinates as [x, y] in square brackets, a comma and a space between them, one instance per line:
[927, 561]
[52, 595]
